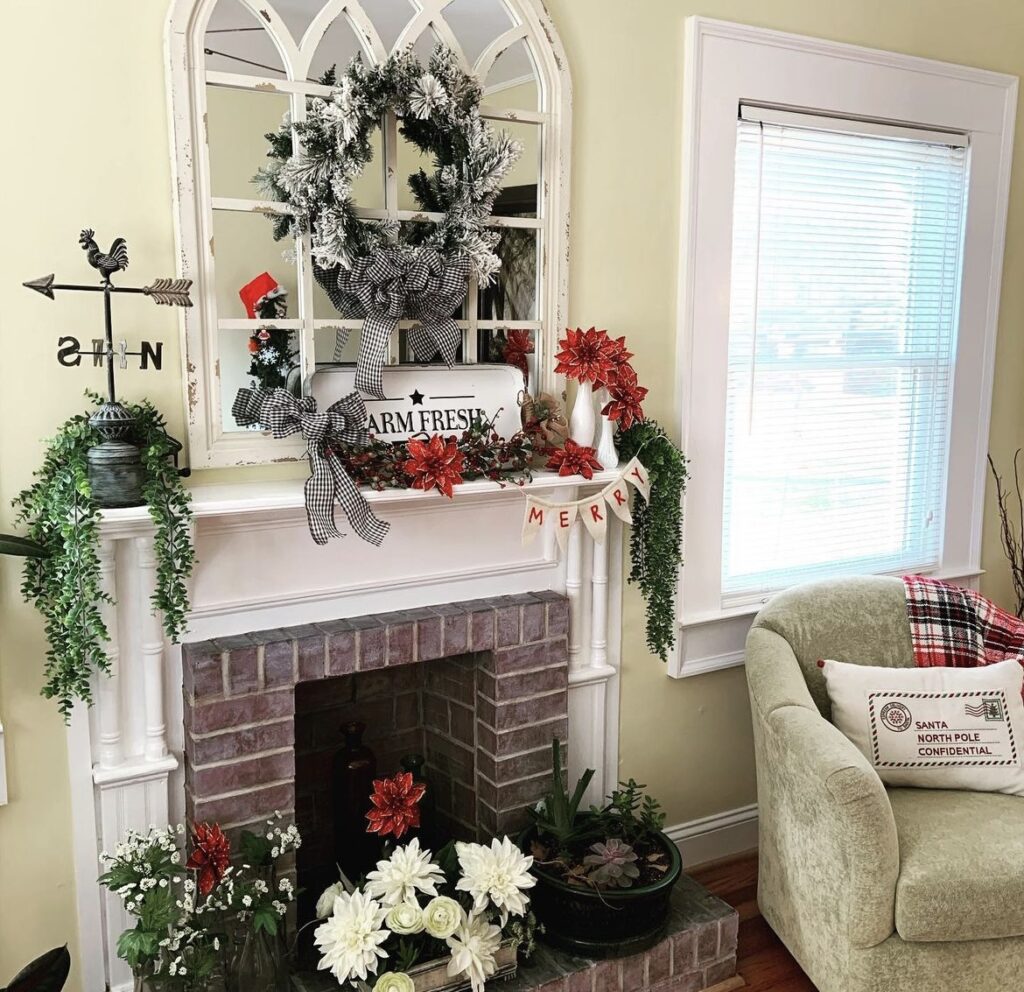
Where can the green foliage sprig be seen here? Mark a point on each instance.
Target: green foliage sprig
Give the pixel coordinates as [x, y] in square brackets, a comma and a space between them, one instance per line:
[63, 519]
[655, 542]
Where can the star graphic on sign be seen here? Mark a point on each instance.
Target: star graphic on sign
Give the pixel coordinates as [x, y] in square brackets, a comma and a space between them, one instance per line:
[417, 397]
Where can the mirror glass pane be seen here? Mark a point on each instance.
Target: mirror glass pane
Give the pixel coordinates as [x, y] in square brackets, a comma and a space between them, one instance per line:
[388, 17]
[237, 42]
[513, 293]
[244, 247]
[512, 83]
[337, 48]
[236, 122]
[476, 23]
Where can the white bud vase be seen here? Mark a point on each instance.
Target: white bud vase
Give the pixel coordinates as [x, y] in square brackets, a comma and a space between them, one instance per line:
[604, 441]
[581, 423]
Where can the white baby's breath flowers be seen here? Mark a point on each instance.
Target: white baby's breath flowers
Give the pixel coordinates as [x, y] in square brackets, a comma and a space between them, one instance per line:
[442, 916]
[495, 875]
[394, 981]
[473, 948]
[409, 870]
[404, 919]
[349, 940]
[325, 904]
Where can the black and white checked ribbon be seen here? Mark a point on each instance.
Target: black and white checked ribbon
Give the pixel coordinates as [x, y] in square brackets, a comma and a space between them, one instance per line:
[341, 423]
[390, 284]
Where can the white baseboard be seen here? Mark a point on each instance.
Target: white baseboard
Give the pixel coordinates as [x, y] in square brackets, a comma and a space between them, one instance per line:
[721, 835]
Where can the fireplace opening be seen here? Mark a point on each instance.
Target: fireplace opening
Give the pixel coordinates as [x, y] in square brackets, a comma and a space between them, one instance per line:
[477, 689]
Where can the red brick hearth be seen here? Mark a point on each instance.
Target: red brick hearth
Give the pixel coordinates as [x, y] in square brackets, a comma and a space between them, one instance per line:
[258, 706]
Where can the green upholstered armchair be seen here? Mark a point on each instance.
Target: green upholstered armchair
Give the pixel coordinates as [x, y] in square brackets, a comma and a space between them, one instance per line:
[871, 889]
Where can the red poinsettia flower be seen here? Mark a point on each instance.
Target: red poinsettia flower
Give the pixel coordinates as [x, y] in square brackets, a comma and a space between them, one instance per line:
[586, 356]
[434, 464]
[575, 459]
[211, 855]
[395, 805]
[518, 345]
[619, 358]
[625, 397]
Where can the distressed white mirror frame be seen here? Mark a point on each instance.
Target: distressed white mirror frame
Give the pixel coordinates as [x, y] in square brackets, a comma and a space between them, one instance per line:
[209, 445]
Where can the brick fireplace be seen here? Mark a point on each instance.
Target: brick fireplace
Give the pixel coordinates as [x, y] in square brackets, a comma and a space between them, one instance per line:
[478, 688]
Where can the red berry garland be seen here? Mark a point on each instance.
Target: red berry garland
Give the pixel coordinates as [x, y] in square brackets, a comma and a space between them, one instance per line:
[575, 459]
[435, 464]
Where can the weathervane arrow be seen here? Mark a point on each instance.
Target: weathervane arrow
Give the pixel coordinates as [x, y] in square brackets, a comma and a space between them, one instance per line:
[163, 292]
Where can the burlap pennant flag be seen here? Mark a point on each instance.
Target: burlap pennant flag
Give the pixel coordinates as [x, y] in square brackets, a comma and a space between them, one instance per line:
[595, 517]
[563, 517]
[534, 519]
[617, 498]
[635, 474]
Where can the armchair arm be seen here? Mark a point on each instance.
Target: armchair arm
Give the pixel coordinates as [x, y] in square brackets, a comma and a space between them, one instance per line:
[829, 848]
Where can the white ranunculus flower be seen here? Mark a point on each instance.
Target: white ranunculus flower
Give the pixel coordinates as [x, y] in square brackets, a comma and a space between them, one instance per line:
[325, 904]
[442, 917]
[349, 941]
[473, 948]
[496, 875]
[408, 871]
[394, 981]
[405, 918]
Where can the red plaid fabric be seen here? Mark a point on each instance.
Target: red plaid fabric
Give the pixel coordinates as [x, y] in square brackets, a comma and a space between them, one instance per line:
[959, 628]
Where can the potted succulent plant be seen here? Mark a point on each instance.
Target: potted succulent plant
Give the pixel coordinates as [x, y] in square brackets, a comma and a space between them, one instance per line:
[604, 875]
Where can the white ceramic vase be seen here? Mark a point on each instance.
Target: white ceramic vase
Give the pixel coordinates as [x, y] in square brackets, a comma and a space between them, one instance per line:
[604, 441]
[582, 422]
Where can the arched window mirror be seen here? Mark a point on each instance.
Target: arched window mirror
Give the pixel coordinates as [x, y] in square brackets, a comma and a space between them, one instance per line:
[236, 67]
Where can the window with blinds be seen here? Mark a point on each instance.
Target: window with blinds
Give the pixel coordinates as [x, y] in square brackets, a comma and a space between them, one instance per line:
[846, 262]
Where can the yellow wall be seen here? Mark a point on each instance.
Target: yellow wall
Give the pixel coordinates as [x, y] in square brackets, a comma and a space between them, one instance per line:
[87, 145]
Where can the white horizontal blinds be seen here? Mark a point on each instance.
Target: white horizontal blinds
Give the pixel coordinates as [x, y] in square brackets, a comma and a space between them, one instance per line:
[845, 277]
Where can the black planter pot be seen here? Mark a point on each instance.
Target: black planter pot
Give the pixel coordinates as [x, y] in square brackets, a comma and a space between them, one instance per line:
[606, 924]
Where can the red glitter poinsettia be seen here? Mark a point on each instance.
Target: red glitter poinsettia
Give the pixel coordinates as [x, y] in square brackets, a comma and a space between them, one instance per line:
[211, 855]
[518, 345]
[619, 358]
[575, 459]
[395, 805]
[626, 395]
[586, 356]
[434, 464]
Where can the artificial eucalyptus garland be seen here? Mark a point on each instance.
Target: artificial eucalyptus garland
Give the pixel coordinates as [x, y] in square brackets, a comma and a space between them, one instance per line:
[655, 542]
[63, 519]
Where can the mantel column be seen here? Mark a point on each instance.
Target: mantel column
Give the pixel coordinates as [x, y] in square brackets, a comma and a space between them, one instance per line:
[111, 748]
[152, 650]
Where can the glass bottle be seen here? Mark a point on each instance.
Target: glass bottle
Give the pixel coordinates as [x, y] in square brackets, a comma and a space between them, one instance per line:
[355, 767]
[427, 830]
[261, 966]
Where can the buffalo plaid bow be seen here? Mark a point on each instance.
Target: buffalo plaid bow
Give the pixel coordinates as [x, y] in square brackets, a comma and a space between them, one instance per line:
[390, 284]
[341, 423]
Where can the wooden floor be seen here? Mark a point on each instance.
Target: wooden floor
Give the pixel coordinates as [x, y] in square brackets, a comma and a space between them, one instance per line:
[761, 960]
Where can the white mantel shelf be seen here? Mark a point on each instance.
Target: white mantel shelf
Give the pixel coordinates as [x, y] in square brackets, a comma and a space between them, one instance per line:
[230, 498]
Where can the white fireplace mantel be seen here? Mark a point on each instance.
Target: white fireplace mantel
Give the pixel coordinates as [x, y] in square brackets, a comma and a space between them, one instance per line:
[258, 568]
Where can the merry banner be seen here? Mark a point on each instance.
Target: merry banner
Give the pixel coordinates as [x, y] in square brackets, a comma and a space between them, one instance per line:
[592, 510]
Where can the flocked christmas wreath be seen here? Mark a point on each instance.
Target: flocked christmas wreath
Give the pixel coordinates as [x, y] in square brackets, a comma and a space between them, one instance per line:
[382, 270]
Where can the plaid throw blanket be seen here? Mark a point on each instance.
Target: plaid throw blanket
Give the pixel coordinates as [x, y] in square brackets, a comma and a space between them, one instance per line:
[959, 628]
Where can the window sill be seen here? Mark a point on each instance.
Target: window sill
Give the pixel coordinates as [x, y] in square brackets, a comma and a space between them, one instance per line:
[711, 641]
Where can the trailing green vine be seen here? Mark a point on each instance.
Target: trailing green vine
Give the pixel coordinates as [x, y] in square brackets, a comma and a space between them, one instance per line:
[655, 542]
[63, 519]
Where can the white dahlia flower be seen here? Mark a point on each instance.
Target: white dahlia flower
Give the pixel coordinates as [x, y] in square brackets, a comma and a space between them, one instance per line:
[408, 871]
[473, 948]
[496, 875]
[349, 941]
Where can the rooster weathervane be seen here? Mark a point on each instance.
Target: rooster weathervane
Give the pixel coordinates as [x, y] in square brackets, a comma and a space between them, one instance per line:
[116, 454]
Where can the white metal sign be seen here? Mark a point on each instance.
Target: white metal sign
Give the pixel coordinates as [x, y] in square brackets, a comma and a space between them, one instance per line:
[430, 399]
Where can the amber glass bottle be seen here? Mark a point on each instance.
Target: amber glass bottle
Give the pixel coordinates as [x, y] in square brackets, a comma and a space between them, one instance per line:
[355, 767]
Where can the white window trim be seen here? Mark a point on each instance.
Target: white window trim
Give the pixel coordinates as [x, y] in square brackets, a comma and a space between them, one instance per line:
[727, 63]
[209, 446]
